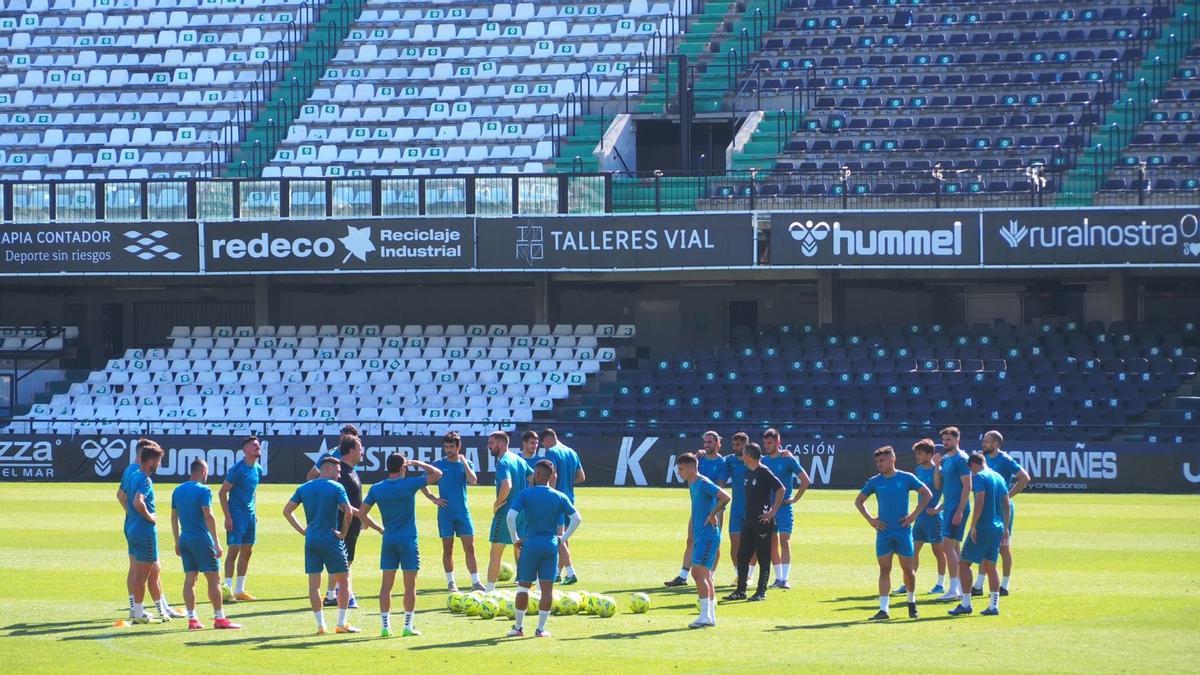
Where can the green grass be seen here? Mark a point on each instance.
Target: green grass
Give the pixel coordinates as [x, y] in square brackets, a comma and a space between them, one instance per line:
[1102, 583]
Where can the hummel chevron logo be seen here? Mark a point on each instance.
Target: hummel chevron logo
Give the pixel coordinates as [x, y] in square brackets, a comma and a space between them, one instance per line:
[1014, 234]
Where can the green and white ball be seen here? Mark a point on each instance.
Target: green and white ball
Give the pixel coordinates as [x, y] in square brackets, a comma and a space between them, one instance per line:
[456, 602]
[639, 603]
[585, 602]
[506, 572]
[508, 609]
[471, 603]
[488, 607]
[568, 604]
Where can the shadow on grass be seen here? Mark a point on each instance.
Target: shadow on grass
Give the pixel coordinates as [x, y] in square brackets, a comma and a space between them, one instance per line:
[860, 622]
[35, 629]
[312, 643]
[852, 598]
[481, 642]
[629, 636]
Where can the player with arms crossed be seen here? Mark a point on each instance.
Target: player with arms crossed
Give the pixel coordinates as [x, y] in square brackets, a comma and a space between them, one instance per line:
[986, 531]
[153, 580]
[324, 546]
[708, 503]
[241, 522]
[396, 498]
[893, 526]
[712, 466]
[543, 508]
[928, 528]
[787, 469]
[512, 476]
[453, 516]
[953, 478]
[195, 533]
[1016, 478]
[568, 472]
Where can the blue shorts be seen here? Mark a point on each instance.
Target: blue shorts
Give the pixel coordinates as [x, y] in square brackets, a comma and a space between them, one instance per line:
[737, 515]
[899, 542]
[454, 524]
[783, 519]
[539, 559]
[399, 553]
[499, 533]
[928, 529]
[143, 545]
[245, 527]
[704, 550]
[949, 529]
[985, 547]
[199, 553]
[327, 555]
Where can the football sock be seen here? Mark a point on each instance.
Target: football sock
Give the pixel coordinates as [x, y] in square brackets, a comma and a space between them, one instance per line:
[966, 599]
[520, 625]
[320, 618]
[912, 595]
[786, 568]
[1004, 583]
[570, 570]
[385, 620]
[978, 583]
[450, 577]
[219, 614]
[489, 587]
[191, 612]
[941, 580]
[131, 606]
[704, 609]
[228, 582]
[408, 620]
[684, 572]
[342, 616]
[543, 617]
[995, 603]
[241, 585]
[474, 577]
[884, 602]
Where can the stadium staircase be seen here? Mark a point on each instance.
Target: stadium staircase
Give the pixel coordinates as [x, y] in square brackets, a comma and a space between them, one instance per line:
[1132, 108]
[287, 94]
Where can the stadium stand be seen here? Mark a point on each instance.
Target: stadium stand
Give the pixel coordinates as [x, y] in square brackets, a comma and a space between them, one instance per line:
[312, 379]
[35, 338]
[1057, 381]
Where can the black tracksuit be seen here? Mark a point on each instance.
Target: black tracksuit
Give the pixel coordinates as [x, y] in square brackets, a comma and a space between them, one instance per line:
[760, 489]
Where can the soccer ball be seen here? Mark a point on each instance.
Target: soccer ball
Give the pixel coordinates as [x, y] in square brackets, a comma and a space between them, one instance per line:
[605, 607]
[639, 603]
[508, 610]
[556, 603]
[506, 572]
[456, 602]
[471, 603]
[568, 604]
[578, 600]
[585, 602]
[488, 608]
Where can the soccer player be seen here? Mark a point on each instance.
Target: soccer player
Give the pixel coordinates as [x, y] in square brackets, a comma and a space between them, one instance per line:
[347, 430]
[195, 533]
[708, 503]
[568, 471]
[734, 474]
[136, 495]
[529, 451]
[764, 495]
[395, 497]
[153, 583]
[241, 522]
[893, 526]
[953, 478]
[512, 476]
[928, 528]
[1016, 478]
[787, 469]
[982, 546]
[543, 508]
[324, 548]
[453, 516]
[350, 454]
[712, 466]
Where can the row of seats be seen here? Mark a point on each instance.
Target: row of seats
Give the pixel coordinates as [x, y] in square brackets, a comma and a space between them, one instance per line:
[410, 331]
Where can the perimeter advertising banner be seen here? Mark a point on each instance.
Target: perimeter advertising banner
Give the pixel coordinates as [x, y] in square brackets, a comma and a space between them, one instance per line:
[672, 241]
[629, 461]
[323, 246]
[1092, 237]
[896, 239]
[99, 248]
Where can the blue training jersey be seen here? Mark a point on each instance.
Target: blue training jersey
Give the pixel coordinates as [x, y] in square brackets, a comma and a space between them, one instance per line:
[735, 474]
[566, 463]
[954, 467]
[244, 479]
[993, 488]
[1004, 464]
[704, 499]
[396, 498]
[453, 484]
[543, 508]
[786, 469]
[135, 483]
[712, 469]
[891, 492]
[925, 475]
[321, 498]
[334, 453]
[189, 500]
[512, 467]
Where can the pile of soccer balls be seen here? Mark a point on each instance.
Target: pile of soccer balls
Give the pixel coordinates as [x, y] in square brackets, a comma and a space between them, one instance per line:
[502, 603]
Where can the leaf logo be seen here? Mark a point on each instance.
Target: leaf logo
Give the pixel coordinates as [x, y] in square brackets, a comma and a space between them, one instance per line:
[809, 234]
[103, 452]
[1014, 233]
[357, 242]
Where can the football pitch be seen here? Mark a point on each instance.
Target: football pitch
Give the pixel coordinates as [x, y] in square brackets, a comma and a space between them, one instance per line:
[1101, 583]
